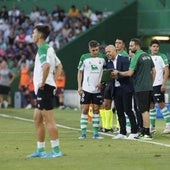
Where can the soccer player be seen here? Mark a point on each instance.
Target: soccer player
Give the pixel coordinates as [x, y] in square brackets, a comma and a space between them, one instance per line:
[46, 63]
[89, 74]
[120, 48]
[159, 86]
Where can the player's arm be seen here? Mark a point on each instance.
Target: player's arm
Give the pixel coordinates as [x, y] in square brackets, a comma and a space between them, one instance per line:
[128, 73]
[79, 81]
[165, 78]
[153, 72]
[45, 70]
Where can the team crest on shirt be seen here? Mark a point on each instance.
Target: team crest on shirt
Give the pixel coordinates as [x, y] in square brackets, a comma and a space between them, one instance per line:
[94, 67]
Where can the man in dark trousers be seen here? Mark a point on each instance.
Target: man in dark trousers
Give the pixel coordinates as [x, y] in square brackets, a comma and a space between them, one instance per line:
[122, 94]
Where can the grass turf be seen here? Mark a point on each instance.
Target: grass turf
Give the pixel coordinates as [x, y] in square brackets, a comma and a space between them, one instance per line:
[17, 140]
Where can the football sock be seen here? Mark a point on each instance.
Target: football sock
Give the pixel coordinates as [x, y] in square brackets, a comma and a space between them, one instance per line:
[41, 146]
[166, 115]
[83, 123]
[96, 121]
[152, 114]
[41, 149]
[55, 145]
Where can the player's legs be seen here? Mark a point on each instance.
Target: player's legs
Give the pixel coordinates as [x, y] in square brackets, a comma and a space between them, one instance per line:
[107, 105]
[143, 101]
[108, 114]
[96, 101]
[39, 125]
[44, 114]
[85, 102]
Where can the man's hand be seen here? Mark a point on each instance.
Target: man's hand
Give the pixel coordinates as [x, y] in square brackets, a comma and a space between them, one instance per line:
[163, 88]
[41, 86]
[80, 91]
[99, 86]
[114, 74]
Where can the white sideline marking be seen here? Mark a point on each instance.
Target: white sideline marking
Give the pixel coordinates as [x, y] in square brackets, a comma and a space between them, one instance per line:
[70, 128]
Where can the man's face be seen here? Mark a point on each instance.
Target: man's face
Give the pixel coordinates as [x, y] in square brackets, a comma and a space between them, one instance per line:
[111, 52]
[132, 46]
[35, 36]
[94, 51]
[119, 45]
[154, 49]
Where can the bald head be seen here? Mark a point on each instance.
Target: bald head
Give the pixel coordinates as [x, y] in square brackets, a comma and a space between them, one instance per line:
[111, 52]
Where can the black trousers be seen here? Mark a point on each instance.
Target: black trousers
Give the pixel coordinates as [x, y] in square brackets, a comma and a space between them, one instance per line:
[123, 104]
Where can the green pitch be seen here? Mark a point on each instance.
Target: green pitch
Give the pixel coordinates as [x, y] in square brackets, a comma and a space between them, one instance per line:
[17, 140]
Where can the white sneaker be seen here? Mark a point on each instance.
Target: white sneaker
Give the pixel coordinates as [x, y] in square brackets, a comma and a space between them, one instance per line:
[119, 136]
[152, 129]
[5, 103]
[167, 130]
[132, 136]
[128, 129]
[29, 106]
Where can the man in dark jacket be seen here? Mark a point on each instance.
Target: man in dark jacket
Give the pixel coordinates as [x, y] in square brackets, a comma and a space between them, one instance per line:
[122, 94]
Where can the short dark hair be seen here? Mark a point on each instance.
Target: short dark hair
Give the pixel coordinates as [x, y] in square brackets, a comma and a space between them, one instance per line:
[122, 39]
[137, 41]
[44, 29]
[154, 41]
[93, 43]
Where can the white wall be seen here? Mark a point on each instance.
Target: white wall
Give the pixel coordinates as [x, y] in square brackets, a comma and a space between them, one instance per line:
[71, 98]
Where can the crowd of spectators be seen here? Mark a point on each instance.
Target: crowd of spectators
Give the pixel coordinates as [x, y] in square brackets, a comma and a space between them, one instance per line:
[16, 27]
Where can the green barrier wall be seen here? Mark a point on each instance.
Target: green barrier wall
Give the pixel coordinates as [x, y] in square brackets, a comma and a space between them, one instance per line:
[153, 17]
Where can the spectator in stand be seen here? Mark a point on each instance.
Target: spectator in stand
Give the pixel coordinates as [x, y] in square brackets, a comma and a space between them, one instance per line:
[61, 82]
[6, 79]
[56, 23]
[35, 13]
[86, 11]
[66, 30]
[3, 25]
[10, 52]
[22, 37]
[94, 19]
[3, 44]
[13, 14]
[73, 12]
[21, 18]
[72, 35]
[4, 13]
[62, 15]
[43, 16]
[86, 22]
[11, 37]
[56, 11]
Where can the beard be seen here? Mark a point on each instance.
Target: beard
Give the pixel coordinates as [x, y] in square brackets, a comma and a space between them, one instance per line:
[133, 51]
